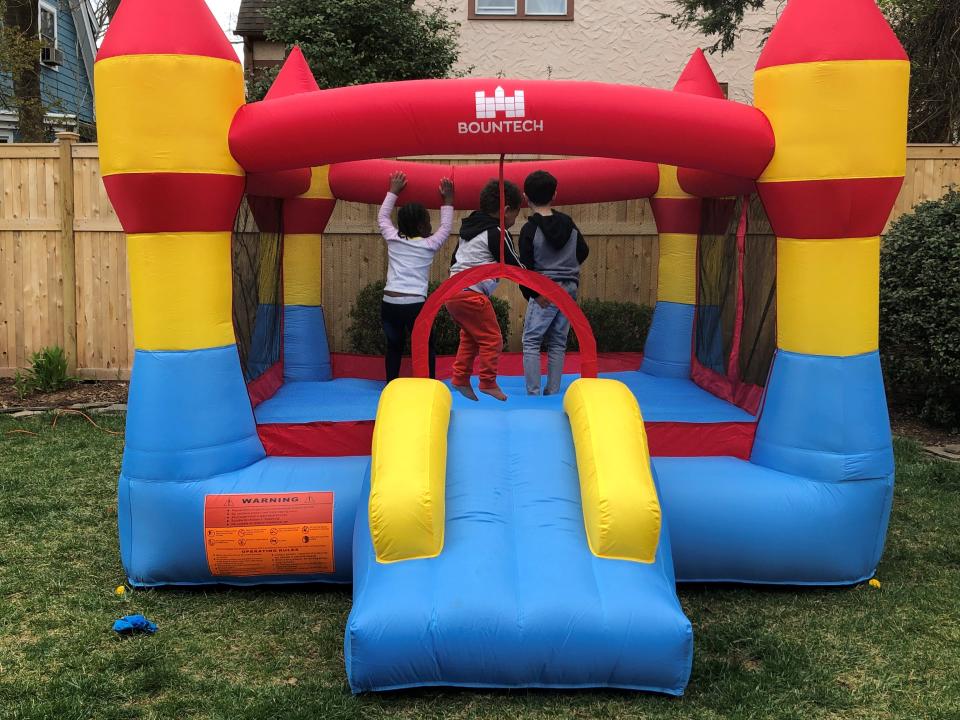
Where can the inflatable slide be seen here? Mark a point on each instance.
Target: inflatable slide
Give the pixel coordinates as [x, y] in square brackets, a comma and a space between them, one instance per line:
[552, 568]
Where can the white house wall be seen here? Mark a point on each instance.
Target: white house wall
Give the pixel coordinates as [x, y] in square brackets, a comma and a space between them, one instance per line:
[608, 40]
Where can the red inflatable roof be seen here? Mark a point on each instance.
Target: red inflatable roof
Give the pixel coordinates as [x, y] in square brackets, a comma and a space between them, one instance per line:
[471, 115]
[170, 27]
[580, 180]
[819, 30]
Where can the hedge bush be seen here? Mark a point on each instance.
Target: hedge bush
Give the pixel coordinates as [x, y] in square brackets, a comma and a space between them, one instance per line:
[920, 310]
[366, 328]
[617, 326]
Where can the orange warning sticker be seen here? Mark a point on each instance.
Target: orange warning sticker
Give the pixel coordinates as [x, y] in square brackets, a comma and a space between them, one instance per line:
[269, 533]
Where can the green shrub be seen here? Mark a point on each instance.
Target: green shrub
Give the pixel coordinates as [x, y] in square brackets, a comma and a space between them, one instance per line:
[920, 310]
[366, 330]
[47, 372]
[617, 326]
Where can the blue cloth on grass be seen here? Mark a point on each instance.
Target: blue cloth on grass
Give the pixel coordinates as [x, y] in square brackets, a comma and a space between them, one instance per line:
[134, 623]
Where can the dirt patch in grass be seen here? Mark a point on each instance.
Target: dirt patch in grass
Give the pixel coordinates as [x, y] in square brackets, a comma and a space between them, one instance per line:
[907, 424]
[84, 391]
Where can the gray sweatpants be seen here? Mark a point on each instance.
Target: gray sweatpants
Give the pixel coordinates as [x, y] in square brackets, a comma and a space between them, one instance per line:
[545, 327]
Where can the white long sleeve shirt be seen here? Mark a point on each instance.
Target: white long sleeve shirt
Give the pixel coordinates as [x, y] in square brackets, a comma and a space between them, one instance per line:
[409, 259]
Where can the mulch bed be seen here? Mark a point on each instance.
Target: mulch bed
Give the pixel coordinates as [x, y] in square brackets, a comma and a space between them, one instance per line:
[107, 392]
[909, 425]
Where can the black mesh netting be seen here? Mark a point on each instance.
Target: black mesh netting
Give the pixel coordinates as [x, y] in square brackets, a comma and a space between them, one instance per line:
[257, 286]
[717, 268]
[717, 283]
[758, 340]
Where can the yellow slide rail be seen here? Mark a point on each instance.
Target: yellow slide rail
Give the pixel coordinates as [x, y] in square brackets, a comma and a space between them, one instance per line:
[408, 470]
[621, 511]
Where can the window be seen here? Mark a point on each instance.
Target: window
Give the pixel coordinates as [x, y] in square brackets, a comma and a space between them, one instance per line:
[50, 54]
[48, 25]
[6, 136]
[521, 9]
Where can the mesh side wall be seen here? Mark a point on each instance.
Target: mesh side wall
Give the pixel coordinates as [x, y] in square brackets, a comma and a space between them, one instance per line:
[759, 336]
[257, 285]
[717, 284]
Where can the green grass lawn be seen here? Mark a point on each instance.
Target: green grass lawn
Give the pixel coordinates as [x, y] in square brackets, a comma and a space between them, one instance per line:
[276, 653]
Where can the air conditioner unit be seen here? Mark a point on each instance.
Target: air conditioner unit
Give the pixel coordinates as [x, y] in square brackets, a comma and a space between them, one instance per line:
[51, 56]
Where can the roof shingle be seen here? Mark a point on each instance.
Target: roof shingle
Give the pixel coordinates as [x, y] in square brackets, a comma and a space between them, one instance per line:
[250, 19]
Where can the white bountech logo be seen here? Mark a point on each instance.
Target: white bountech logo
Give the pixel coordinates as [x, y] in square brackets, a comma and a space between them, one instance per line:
[488, 107]
[512, 109]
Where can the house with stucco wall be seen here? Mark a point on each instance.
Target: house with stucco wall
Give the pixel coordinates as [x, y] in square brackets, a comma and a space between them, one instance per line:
[622, 41]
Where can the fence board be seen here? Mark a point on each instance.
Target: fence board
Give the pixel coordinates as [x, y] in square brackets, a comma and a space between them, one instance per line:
[622, 263]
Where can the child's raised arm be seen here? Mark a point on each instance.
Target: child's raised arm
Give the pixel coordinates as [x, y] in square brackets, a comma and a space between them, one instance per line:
[398, 181]
[436, 241]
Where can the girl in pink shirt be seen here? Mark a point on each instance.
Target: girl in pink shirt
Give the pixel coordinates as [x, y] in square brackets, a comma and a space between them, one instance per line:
[410, 251]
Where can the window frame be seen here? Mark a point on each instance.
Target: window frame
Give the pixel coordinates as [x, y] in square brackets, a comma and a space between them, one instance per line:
[53, 8]
[521, 13]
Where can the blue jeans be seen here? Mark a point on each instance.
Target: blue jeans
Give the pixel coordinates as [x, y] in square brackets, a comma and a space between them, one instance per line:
[545, 327]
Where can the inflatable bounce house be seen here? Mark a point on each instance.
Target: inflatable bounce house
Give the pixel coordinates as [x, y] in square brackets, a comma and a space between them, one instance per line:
[532, 543]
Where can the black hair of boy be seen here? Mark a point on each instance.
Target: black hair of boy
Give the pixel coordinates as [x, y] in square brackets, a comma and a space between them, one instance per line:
[490, 197]
[412, 220]
[540, 187]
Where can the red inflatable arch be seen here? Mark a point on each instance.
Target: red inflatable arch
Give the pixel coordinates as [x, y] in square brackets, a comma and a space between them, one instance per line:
[431, 117]
[420, 338]
[580, 180]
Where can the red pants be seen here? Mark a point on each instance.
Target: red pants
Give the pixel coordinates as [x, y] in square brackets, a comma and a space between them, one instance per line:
[479, 335]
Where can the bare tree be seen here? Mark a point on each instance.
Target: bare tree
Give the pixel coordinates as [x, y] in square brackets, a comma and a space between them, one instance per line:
[20, 57]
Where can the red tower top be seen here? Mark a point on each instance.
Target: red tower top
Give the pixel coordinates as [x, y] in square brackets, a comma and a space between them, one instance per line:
[171, 27]
[823, 30]
[295, 77]
[697, 78]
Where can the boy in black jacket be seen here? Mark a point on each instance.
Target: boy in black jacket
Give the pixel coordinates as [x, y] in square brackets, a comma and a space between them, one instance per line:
[471, 309]
[550, 243]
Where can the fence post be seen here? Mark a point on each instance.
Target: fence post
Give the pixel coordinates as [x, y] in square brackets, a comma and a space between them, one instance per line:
[68, 255]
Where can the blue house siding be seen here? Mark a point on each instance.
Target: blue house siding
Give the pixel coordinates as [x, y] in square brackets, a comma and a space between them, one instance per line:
[68, 86]
[67, 89]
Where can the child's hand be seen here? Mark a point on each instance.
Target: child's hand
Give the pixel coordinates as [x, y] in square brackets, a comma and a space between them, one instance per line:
[398, 181]
[446, 191]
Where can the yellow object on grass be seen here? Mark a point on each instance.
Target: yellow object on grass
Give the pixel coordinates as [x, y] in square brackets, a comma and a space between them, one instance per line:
[408, 470]
[621, 511]
[120, 591]
[874, 583]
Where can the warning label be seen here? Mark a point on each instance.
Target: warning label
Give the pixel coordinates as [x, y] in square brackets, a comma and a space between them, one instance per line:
[269, 533]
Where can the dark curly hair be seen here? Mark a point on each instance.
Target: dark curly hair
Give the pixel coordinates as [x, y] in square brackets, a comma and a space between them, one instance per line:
[490, 196]
[413, 220]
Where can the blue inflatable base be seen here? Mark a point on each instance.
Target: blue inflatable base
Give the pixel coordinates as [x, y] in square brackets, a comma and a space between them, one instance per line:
[662, 399]
[735, 521]
[162, 524]
[516, 598]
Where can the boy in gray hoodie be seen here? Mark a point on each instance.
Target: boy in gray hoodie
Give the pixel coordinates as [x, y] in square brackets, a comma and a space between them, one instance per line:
[551, 244]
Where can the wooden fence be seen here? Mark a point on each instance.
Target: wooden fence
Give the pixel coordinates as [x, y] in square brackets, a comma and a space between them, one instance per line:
[63, 256]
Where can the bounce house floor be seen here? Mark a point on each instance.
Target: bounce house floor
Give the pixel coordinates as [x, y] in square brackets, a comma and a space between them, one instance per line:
[308, 418]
